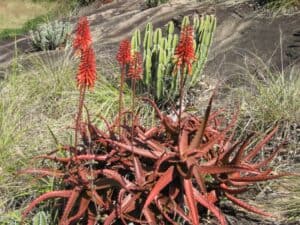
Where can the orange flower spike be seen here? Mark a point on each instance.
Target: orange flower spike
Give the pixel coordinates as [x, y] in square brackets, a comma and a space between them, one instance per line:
[135, 66]
[124, 56]
[86, 75]
[83, 38]
[184, 52]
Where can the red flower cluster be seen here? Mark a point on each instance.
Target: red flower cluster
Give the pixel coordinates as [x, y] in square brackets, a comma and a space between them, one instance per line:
[124, 55]
[83, 38]
[184, 52]
[135, 66]
[86, 75]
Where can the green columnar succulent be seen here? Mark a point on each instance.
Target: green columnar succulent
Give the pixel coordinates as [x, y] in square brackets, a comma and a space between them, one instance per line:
[159, 48]
[50, 36]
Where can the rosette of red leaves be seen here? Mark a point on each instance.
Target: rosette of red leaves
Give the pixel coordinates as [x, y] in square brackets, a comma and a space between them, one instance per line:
[155, 175]
[159, 181]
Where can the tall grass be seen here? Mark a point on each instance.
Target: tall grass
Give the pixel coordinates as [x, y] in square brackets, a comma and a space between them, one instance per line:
[282, 6]
[268, 95]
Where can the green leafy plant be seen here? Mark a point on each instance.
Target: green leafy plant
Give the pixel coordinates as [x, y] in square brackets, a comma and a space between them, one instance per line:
[50, 36]
[159, 51]
[150, 175]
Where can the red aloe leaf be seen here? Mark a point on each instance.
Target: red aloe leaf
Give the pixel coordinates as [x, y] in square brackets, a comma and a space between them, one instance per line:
[238, 157]
[44, 172]
[259, 146]
[259, 178]
[183, 142]
[203, 200]
[149, 216]
[227, 150]
[162, 182]
[97, 199]
[91, 218]
[117, 177]
[173, 191]
[70, 204]
[224, 187]
[79, 157]
[205, 148]
[268, 160]
[199, 134]
[139, 173]
[139, 151]
[83, 205]
[224, 169]
[165, 157]
[154, 145]
[110, 218]
[162, 208]
[191, 203]
[52, 194]
[246, 205]
[151, 132]
[175, 207]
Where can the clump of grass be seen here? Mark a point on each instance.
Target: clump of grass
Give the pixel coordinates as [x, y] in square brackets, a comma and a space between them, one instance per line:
[282, 6]
[269, 95]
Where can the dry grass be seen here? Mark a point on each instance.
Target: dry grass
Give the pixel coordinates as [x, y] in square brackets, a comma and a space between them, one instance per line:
[15, 13]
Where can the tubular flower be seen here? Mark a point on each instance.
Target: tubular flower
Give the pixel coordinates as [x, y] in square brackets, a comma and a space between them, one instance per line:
[124, 55]
[135, 66]
[184, 52]
[86, 75]
[83, 38]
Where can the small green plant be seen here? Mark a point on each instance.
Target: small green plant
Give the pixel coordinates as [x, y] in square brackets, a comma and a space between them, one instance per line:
[150, 175]
[154, 3]
[159, 65]
[50, 36]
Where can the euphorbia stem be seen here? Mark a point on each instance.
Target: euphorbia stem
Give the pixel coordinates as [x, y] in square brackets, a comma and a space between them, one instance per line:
[123, 70]
[81, 100]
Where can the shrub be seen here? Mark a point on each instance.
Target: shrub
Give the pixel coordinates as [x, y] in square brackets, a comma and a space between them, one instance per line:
[171, 171]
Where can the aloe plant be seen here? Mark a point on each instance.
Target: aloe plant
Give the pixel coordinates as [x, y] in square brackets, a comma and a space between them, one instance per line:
[158, 56]
[152, 175]
[50, 36]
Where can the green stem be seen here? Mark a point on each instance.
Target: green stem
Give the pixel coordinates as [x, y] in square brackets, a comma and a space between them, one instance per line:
[80, 105]
[123, 70]
[132, 109]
